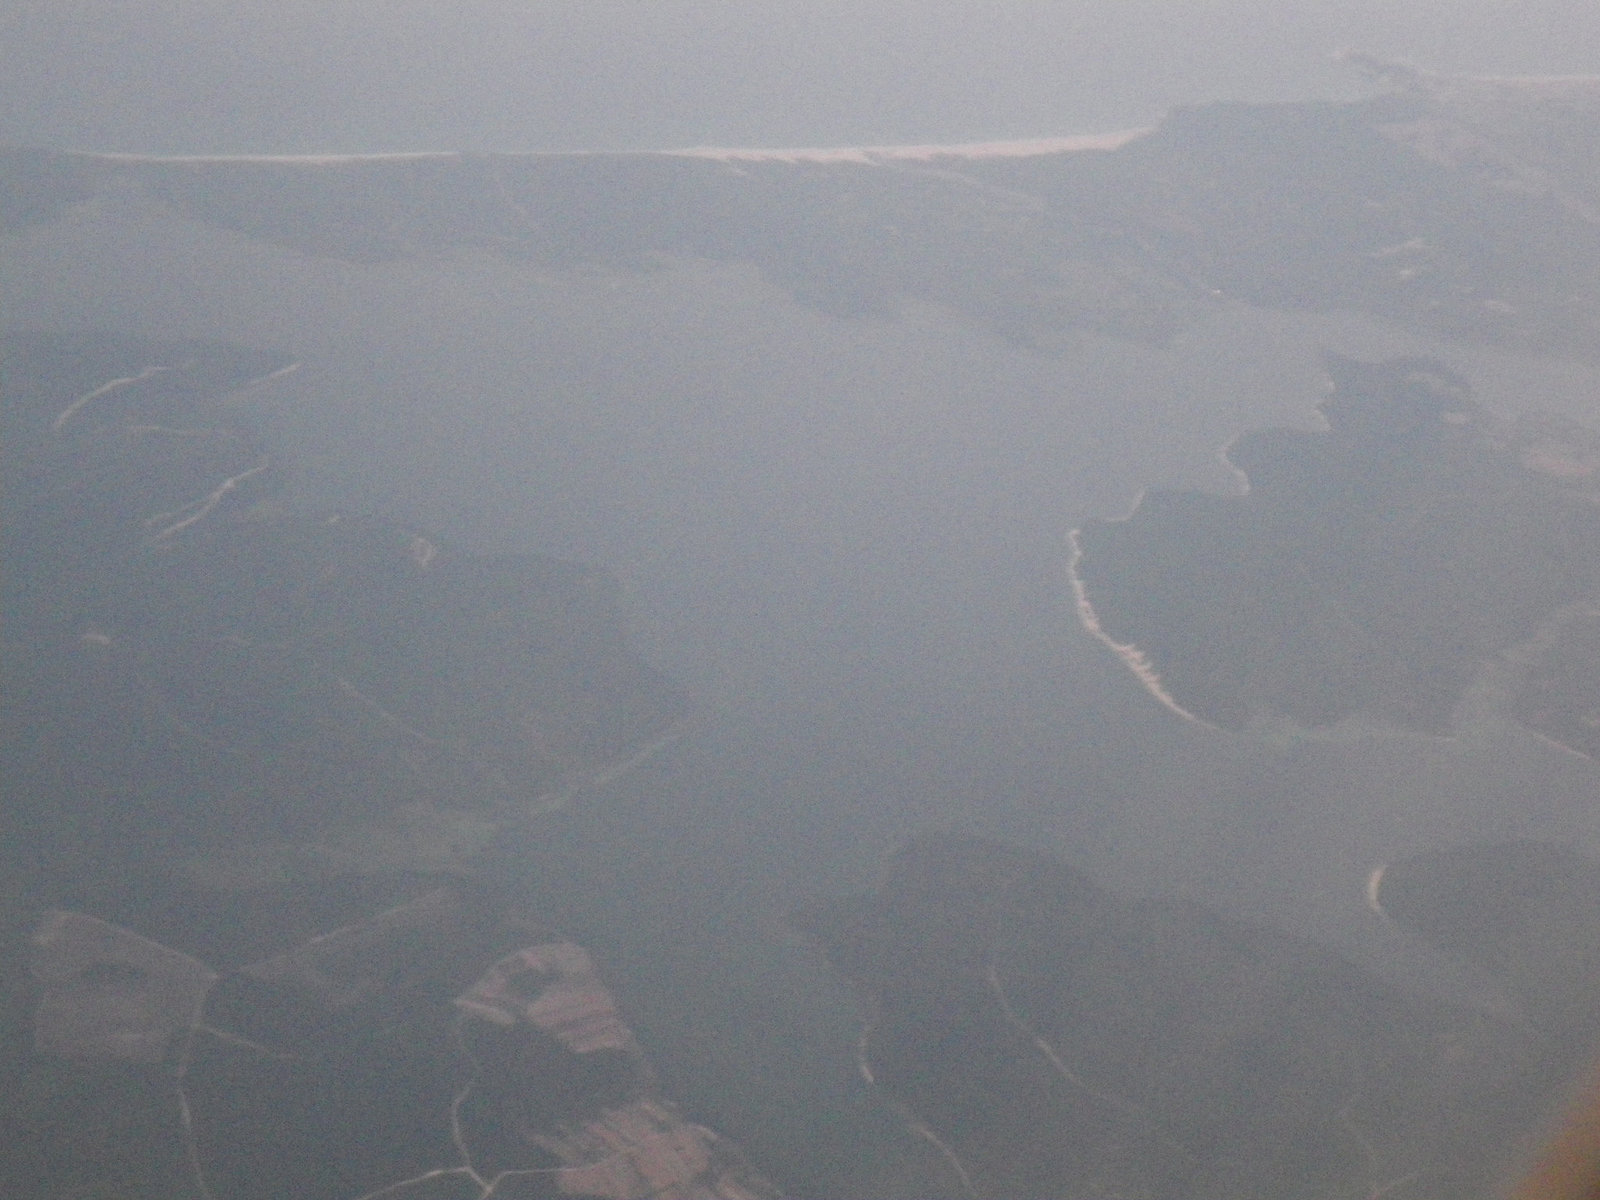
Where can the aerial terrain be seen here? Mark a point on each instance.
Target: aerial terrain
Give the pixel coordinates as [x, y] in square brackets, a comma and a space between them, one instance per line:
[1065, 667]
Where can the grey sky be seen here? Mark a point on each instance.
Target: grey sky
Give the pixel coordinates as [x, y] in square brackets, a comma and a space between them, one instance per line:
[299, 75]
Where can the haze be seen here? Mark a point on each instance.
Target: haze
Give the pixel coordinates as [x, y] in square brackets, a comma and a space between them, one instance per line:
[1068, 670]
[197, 77]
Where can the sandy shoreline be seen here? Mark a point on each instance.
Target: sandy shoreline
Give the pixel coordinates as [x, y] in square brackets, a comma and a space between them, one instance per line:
[1016, 148]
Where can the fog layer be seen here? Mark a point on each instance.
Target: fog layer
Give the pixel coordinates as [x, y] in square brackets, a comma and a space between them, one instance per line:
[174, 76]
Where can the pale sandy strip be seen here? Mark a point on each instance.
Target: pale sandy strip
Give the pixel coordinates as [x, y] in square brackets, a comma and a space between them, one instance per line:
[1016, 148]
[105, 389]
[1011, 148]
[1133, 657]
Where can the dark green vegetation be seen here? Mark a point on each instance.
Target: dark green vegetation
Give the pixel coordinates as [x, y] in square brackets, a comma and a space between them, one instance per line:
[187, 633]
[1060, 1039]
[1376, 567]
[1456, 208]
